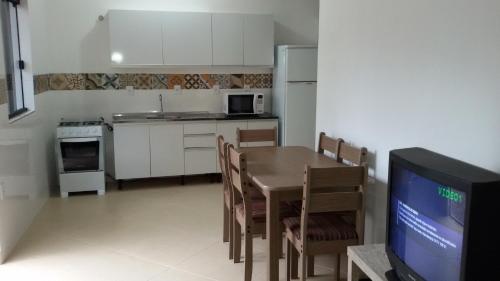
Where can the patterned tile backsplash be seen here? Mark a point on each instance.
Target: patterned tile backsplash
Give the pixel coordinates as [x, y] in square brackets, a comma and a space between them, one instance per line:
[144, 81]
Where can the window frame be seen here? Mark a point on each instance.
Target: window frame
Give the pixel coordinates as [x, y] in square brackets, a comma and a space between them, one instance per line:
[16, 48]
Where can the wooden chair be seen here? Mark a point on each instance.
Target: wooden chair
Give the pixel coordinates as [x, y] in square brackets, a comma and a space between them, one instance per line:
[329, 144]
[227, 195]
[351, 155]
[249, 213]
[320, 229]
[253, 136]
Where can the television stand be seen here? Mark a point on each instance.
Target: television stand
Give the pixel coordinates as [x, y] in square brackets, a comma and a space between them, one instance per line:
[367, 261]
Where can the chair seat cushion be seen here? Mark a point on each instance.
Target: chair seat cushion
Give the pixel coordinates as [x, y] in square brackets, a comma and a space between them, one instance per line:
[256, 194]
[322, 227]
[259, 210]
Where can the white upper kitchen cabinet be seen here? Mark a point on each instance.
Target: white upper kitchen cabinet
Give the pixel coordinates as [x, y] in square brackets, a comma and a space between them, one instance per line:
[227, 39]
[132, 151]
[135, 38]
[187, 38]
[167, 150]
[258, 38]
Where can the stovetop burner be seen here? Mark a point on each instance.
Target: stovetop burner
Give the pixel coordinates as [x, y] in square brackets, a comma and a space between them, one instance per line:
[92, 123]
[80, 123]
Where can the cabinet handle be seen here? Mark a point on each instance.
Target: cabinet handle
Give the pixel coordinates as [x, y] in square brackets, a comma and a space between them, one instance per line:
[200, 135]
[199, 148]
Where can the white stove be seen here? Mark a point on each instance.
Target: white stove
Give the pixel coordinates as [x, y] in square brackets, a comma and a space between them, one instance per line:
[80, 156]
[76, 129]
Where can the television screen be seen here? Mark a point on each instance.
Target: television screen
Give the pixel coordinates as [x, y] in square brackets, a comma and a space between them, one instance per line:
[426, 225]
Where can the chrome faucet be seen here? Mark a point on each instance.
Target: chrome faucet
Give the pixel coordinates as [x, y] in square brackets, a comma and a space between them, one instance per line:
[161, 102]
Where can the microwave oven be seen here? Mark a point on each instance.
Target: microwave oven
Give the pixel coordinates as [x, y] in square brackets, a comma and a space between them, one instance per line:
[243, 103]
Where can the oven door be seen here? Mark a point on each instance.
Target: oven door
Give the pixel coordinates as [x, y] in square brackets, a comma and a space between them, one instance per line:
[241, 104]
[80, 155]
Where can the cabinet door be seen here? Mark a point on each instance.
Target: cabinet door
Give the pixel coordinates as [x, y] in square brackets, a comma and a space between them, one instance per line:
[258, 38]
[268, 124]
[187, 38]
[132, 153]
[228, 130]
[227, 38]
[135, 38]
[167, 150]
[200, 160]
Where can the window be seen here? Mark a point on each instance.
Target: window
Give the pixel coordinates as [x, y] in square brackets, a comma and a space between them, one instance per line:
[13, 62]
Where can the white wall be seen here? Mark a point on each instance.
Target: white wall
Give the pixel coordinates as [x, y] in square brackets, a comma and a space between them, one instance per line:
[396, 74]
[79, 42]
[26, 151]
[26, 165]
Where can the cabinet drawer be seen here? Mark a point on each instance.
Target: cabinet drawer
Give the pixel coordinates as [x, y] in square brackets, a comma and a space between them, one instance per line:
[200, 161]
[200, 128]
[200, 141]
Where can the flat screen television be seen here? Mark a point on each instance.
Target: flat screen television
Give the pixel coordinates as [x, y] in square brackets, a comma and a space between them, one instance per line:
[442, 217]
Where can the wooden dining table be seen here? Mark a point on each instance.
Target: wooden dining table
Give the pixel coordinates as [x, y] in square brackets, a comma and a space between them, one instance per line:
[278, 172]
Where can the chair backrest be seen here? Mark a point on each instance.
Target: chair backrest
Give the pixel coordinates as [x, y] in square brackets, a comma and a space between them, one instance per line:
[239, 183]
[260, 135]
[324, 191]
[352, 154]
[329, 144]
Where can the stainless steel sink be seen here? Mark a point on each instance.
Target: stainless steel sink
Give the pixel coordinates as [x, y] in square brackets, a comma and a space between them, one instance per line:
[159, 116]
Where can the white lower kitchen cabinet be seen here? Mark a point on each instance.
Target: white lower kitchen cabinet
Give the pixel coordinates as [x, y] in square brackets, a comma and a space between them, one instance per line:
[162, 149]
[167, 147]
[132, 151]
[261, 124]
[228, 129]
[200, 147]
[200, 160]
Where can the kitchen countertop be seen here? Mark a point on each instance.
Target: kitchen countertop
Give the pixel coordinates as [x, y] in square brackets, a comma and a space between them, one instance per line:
[148, 117]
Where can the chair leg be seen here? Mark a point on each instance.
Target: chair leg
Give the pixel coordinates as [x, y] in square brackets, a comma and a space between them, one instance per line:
[288, 260]
[294, 259]
[337, 268]
[303, 267]
[226, 218]
[231, 234]
[236, 242]
[310, 266]
[280, 247]
[248, 253]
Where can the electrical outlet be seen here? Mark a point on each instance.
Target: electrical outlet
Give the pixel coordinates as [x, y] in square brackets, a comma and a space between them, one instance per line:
[130, 90]
[216, 89]
[177, 89]
[371, 176]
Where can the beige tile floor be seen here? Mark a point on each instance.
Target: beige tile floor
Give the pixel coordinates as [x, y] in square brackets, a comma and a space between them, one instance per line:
[153, 230]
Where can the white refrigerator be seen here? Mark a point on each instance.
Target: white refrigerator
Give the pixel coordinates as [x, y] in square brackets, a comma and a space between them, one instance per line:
[294, 94]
